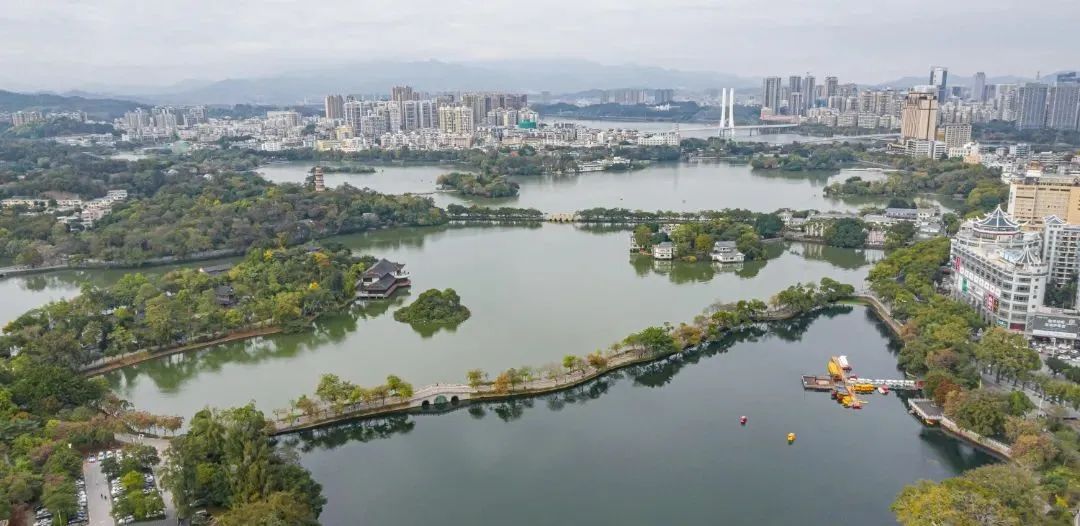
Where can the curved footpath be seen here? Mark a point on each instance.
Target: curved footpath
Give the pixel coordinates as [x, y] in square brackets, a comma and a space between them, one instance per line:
[453, 394]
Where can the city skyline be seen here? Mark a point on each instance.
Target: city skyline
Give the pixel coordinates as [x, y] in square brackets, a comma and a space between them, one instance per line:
[74, 45]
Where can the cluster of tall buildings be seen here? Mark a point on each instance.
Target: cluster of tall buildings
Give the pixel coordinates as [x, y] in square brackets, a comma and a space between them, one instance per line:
[21, 118]
[408, 110]
[633, 96]
[161, 121]
[1029, 105]
[1039, 105]
[800, 94]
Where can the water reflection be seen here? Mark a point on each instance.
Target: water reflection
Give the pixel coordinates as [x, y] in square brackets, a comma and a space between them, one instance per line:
[171, 373]
[652, 375]
[358, 431]
[680, 272]
[844, 258]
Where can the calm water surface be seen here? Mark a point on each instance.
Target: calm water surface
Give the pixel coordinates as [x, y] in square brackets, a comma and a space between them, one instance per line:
[535, 294]
[657, 444]
[662, 186]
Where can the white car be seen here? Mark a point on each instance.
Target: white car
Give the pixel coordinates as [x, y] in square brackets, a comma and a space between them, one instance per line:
[91, 459]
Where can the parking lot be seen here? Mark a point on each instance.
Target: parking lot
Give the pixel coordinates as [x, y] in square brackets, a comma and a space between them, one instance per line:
[96, 486]
[100, 498]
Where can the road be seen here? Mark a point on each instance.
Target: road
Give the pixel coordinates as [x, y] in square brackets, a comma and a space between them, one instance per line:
[161, 445]
[99, 509]
[990, 381]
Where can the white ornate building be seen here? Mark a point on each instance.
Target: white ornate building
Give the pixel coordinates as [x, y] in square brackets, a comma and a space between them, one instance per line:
[999, 269]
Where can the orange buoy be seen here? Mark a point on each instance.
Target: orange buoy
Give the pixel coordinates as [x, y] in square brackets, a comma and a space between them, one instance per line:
[790, 438]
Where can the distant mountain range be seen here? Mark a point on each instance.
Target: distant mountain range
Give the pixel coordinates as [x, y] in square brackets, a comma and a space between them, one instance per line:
[957, 80]
[95, 107]
[556, 76]
[560, 77]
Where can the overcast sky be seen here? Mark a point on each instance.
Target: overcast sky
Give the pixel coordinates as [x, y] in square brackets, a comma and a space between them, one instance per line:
[58, 44]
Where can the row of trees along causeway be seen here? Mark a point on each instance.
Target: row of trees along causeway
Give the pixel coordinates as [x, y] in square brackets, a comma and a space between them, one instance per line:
[335, 397]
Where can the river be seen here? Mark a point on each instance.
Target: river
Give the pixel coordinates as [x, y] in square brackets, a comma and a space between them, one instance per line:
[535, 294]
[657, 444]
[661, 186]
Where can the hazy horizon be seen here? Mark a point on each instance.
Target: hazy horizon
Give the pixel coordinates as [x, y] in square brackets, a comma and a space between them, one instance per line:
[65, 45]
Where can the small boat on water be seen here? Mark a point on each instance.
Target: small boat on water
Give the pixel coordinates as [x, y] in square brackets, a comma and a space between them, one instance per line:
[883, 390]
[790, 438]
[864, 387]
[742, 420]
[843, 362]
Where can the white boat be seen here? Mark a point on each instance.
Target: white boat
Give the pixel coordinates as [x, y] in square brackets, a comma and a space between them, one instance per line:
[842, 360]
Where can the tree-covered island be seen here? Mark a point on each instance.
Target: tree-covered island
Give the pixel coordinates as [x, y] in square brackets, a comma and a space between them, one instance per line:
[434, 307]
[478, 185]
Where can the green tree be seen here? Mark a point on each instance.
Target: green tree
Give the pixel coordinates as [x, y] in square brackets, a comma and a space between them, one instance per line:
[846, 233]
[899, 234]
[980, 411]
[475, 377]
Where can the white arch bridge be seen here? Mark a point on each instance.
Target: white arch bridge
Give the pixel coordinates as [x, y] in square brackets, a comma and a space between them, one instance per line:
[441, 395]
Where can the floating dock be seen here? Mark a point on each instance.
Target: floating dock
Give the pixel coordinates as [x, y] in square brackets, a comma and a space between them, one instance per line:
[845, 388]
[817, 383]
[925, 409]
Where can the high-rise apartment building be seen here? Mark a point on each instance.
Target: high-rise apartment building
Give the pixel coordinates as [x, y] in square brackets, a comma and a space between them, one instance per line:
[1061, 249]
[21, 118]
[772, 94]
[1063, 111]
[419, 114]
[919, 116]
[809, 93]
[957, 135]
[352, 112]
[403, 93]
[456, 119]
[939, 79]
[832, 87]
[978, 87]
[335, 107]
[1031, 106]
[660, 96]
[795, 95]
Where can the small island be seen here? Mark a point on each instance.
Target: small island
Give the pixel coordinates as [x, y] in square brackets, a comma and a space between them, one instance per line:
[434, 307]
[344, 169]
[480, 185]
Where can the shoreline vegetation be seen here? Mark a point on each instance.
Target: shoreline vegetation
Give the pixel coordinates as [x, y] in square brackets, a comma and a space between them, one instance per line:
[963, 363]
[348, 401]
[344, 169]
[478, 185]
[141, 318]
[981, 187]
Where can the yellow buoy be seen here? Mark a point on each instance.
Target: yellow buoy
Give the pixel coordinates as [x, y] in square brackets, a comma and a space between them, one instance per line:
[790, 437]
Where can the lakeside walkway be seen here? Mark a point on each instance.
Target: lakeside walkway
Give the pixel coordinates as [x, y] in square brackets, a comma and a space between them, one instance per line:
[450, 395]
